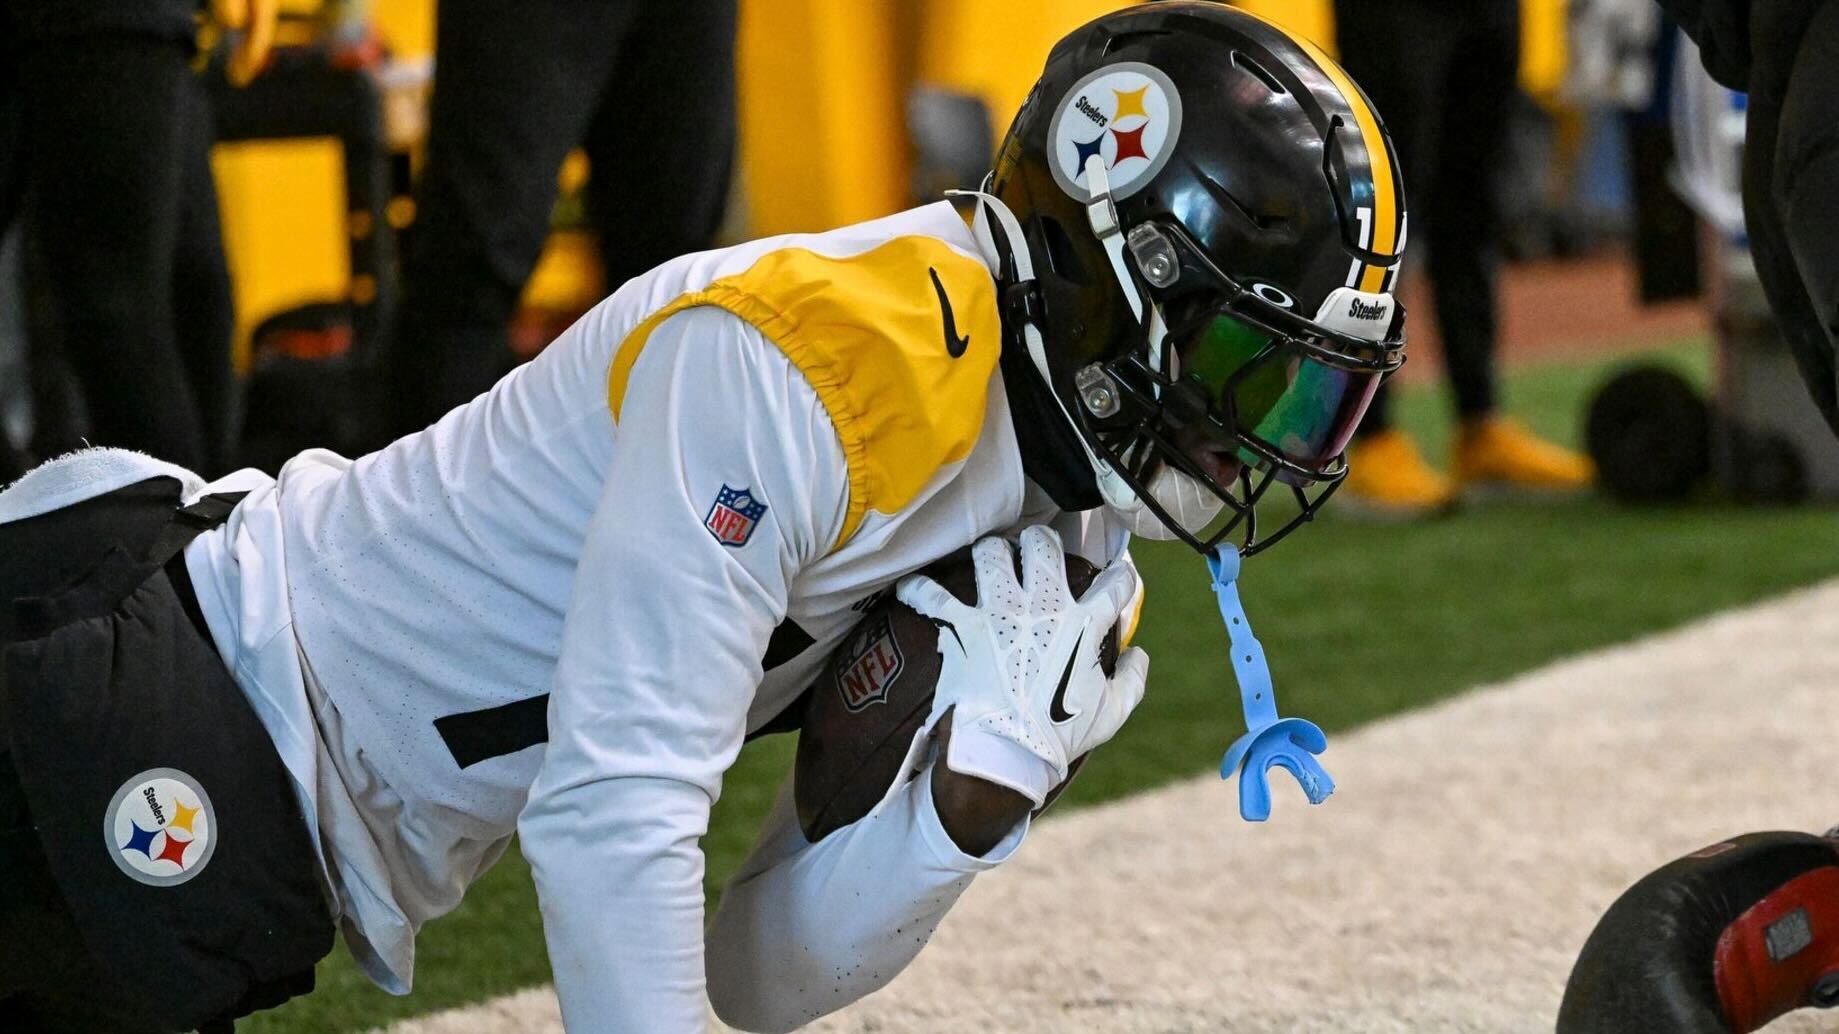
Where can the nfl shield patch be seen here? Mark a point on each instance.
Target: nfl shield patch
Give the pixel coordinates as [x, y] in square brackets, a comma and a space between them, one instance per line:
[874, 665]
[734, 516]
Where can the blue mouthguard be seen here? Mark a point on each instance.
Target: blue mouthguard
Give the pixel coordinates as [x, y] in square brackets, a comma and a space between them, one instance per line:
[1288, 743]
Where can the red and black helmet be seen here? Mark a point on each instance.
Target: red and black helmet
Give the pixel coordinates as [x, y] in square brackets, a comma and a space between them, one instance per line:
[1214, 219]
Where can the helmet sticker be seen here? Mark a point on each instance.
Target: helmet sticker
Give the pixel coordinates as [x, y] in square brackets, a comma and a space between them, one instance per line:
[1274, 295]
[160, 828]
[1128, 114]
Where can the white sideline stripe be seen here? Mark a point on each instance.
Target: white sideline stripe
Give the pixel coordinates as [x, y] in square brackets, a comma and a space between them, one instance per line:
[1445, 887]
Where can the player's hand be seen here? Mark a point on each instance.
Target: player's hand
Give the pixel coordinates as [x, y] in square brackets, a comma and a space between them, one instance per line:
[254, 23]
[1021, 669]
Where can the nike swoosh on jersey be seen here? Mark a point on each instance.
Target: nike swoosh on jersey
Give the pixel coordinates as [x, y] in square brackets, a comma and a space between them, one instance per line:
[954, 345]
[1056, 708]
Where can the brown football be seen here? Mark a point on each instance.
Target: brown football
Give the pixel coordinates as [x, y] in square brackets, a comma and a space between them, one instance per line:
[874, 694]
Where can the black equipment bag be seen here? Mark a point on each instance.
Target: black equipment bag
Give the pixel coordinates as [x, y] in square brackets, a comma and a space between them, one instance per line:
[166, 818]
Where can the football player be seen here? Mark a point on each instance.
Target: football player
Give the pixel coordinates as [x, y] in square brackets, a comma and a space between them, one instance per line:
[1733, 935]
[242, 713]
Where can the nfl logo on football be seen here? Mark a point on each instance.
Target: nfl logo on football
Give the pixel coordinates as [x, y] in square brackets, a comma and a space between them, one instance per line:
[866, 678]
[734, 516]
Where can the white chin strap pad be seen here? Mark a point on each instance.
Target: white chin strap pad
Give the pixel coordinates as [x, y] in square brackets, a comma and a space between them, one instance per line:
[1186, 500]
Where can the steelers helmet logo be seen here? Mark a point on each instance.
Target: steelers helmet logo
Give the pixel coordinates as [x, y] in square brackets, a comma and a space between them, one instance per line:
[160, 828]
[1128, 115]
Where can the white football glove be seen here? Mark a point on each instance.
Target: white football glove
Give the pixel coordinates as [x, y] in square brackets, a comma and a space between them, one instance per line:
[1022, 667]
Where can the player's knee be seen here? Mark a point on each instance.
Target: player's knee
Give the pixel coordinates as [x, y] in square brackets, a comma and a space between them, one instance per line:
[746, 1004]
[781, 983]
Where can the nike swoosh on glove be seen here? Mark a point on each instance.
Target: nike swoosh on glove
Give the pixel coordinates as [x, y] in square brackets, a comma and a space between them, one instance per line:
[1024, 655]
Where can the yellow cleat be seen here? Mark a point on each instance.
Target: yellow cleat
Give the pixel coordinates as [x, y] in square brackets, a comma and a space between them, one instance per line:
[1388, 477]
[1499, 452]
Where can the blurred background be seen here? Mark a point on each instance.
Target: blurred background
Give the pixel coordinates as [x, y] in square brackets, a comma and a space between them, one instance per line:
[1611, 202]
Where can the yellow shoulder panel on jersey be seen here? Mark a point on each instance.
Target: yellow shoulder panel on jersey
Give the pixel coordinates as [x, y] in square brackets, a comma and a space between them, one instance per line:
[874, 334]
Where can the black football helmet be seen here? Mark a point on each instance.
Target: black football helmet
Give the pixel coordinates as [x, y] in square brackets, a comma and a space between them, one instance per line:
[1213, 222]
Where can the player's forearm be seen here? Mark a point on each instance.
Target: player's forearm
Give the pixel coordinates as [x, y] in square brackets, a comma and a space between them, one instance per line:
[977, 814]
[619, 876]
[838, 919]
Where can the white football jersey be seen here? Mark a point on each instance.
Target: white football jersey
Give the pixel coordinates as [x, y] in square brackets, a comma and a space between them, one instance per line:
[561, 608]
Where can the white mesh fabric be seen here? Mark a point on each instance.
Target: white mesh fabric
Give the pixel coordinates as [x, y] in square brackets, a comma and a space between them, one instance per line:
[1004, 659]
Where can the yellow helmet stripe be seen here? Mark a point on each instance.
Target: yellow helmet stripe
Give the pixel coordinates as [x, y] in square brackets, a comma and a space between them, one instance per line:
[1379, 160]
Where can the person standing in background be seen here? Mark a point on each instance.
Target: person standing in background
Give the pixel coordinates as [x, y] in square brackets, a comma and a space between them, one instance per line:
[112, 159]
[1442, 75]
[646, 88]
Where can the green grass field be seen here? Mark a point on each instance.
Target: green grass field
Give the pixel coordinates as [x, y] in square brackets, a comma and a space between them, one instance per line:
[1359, 619]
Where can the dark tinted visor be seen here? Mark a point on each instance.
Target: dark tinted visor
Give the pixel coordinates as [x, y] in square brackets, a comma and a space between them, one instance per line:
[1280, 396]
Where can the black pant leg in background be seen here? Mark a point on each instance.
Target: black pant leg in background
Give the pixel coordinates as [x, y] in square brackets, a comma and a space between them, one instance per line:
[648, 87]
[1465, 214]
[13, 461]
[204, 314]
[1441, 74]
[12, 129]
[1395, 52]
[661, 147]
[1785, 54]
[104, 144]
[1791, 181]
[516, 86]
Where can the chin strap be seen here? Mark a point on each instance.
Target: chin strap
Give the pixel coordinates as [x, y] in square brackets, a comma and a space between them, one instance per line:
[992, 217]
[988, 209]
[1101, 215]
[1289, 743]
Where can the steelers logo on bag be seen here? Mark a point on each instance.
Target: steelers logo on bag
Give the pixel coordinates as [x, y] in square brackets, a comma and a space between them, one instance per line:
[1128, 115]
[160, 828]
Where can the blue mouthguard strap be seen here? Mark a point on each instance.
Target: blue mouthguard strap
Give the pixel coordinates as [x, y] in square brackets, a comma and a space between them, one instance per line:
[1288, 743]
[1248, 662]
